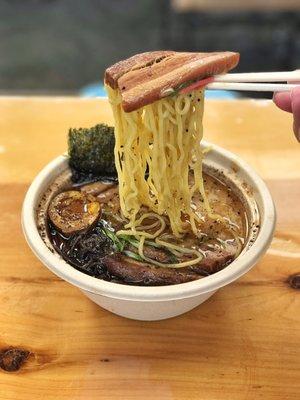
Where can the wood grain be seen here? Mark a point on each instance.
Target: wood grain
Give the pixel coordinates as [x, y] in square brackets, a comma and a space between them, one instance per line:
[242, 344]
[234, 5]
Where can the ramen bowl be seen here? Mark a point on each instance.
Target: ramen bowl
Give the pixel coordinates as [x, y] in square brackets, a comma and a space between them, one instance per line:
[160, 302]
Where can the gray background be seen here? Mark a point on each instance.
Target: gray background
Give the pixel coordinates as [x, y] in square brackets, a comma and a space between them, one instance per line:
[62, 45]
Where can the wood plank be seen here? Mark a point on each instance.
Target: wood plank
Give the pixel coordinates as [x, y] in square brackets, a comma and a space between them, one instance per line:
[234, 5]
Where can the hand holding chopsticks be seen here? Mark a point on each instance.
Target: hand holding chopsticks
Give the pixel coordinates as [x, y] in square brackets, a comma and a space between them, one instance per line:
[288, 100]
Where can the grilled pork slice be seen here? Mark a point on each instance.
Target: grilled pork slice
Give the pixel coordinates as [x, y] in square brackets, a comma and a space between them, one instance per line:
[135, 272]
[147, 77]
[96, 188]
[113, 73]
[214, 260]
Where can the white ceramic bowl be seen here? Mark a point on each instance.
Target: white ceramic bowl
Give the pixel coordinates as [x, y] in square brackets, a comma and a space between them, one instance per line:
[156, 303]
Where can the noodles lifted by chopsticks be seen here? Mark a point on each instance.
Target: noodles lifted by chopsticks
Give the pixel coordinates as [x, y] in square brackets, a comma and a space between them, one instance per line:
[157, 149]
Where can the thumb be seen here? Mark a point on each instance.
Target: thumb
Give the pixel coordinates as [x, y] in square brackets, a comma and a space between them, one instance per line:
[283, 101]
[295, 105]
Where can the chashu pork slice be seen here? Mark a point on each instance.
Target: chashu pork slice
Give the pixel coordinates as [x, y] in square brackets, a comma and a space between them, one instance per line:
[148, 77]
[138, 61]
[143, 273]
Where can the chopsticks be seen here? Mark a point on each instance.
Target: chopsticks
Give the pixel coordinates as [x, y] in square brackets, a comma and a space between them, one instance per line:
[256, 81]
[251, 87]
[283, 76]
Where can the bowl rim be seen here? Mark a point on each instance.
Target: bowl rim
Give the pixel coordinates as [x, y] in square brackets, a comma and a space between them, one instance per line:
[238, 267]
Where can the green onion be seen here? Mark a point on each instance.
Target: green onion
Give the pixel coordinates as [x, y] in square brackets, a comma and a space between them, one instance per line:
[130, 239]
[121, 241]
[133, 255]
[173, 259]
[119, 244]
[153, 244]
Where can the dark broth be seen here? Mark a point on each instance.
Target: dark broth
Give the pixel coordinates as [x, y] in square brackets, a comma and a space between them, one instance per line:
[86, 251]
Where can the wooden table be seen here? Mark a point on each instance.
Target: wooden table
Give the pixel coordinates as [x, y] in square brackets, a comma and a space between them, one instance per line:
[243, 343]
[234, 5]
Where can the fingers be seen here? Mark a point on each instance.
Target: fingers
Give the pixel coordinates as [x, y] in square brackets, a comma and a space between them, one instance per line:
[290, 102]
[283, 101]
[295, 106]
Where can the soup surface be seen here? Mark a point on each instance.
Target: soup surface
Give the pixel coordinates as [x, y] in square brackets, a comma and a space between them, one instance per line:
[99, 251]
